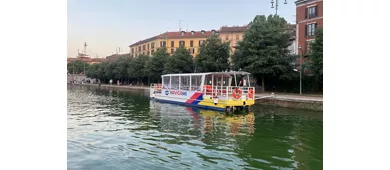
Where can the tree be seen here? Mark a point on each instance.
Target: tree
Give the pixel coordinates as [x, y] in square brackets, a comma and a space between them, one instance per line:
[315, 60]
[77, 66]
[121, 66]
[180, 62]
[264, 50]
[93, 71]
[316, 55]
[137, 67]
[213, 55]
[155, 66]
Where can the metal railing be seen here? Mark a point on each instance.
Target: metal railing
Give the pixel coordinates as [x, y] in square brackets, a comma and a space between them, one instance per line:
[230, 92]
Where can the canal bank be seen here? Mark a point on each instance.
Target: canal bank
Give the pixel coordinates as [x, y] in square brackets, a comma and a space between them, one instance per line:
[314, 103]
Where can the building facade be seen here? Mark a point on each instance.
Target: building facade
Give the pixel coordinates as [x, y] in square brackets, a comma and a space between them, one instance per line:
[233, 34]
[171, 40]
[192, 40]
[309, 17]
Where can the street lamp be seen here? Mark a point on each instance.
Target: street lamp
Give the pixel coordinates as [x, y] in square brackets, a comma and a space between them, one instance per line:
[276, 5]
[300, 70]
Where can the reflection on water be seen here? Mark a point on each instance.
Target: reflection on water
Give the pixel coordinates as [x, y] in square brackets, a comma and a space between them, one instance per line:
[110, 129]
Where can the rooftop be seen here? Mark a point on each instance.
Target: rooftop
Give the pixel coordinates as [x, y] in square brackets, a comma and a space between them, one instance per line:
[209, 73]
[177, 35]
[226, 29]
[298, 2]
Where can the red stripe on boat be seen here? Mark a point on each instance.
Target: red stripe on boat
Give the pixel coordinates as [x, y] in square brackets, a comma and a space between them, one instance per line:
[193, 97]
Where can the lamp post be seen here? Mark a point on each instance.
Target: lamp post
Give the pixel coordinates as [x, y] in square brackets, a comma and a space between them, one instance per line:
[300, 70]
[276, 5]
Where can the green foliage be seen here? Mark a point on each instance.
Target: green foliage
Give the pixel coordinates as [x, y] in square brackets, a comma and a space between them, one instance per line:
[155, 66]
[93, 71]
[264, 50]
[180, 62]
[213, 55]
[121, 66]
[137, 68]
[77, 66]
[315, 63]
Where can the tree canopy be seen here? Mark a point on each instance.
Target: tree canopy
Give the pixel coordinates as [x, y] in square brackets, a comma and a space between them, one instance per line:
[137, 67]
[77, 66]
[155, 65]
[180, 62]
[264, 48]
[316, 55]
[213, 55]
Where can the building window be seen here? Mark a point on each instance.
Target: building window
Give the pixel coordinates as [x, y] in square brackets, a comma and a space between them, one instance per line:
[172, 50]
[139, 48]
[143, 47]
[191, 43]
[152, 52]
[143, 53]
[152, 45]
[191, 51]
[237, 37]
[172, 43]
[181, 43]
[132, 50]
[311, 29]
[163, 43]
[201, 42]
[148, 53]
[227, 37]
[148, 46]
[312, 12]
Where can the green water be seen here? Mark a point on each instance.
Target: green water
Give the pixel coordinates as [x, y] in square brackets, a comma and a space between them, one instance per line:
[109, 129]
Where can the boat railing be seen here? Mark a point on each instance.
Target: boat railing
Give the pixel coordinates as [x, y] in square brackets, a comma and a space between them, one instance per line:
[157, 87]
[224, 92]
[230, 92]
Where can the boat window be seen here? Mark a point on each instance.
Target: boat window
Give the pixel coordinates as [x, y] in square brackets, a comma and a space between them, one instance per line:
[175, 82]
[223, 80]
[166, 82]
[185, 83]
[196, 82]
[208, 80]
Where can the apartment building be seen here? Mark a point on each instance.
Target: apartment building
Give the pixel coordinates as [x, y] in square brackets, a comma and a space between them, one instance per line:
[309, 17]
[171, 40]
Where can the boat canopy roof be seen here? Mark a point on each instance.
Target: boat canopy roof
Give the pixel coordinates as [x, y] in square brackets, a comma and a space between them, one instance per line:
[209, 73]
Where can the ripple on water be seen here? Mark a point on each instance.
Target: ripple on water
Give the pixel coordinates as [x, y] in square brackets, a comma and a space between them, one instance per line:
[110, 130]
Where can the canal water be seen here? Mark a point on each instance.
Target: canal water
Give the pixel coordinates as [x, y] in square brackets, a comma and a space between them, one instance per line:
[110, 129]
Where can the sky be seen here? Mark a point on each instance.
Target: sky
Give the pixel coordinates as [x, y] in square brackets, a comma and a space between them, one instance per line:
[108, 24]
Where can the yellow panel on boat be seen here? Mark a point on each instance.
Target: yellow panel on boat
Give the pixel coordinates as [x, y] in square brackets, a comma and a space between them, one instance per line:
[226, 103]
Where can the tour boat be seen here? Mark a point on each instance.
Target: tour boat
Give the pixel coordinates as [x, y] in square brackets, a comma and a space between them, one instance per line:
[213, 90]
